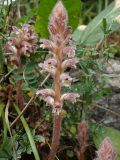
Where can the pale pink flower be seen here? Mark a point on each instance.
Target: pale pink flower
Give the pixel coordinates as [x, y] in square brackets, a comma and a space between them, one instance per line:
[65, 80]
[70, 63]
[10, 47]
[70, 97]
[69, 51]
[106, 150]
[21, 42]
[47, 44]
[46, 92]
[49, 100]
[48, 66]
[51, 62]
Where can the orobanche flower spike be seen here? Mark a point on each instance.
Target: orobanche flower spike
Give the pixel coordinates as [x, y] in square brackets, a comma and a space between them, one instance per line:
[21, 42]
[62, 57]
[106, 150]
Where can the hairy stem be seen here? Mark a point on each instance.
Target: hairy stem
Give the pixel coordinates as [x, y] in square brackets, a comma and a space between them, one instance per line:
[57, 118]
[56, 136]
[81, 157]
[20, 98]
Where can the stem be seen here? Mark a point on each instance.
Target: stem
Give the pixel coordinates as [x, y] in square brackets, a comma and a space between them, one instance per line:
[81, 154]
[57, 118]
[56, 136]
[20, 98]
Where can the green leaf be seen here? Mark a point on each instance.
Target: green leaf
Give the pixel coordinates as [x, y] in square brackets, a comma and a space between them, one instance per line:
[45, 9]
[6, 150]
[100, 132]
[73, 129]
[70, 153]
[29, 134]
[93, 33]
[104, 25]
[40, 138]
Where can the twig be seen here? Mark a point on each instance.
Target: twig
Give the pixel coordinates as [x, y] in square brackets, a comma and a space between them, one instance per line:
[27, 105]
[24, 109]
[2, 79]
[44, 81]
[101, 107]
[107, 109]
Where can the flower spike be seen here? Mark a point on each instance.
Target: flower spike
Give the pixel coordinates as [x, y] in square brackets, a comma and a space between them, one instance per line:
[106, 150]
[63, 52]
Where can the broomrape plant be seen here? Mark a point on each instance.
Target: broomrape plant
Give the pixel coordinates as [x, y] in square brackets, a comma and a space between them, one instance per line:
[106, 150]
[62, 54]
[22, 42]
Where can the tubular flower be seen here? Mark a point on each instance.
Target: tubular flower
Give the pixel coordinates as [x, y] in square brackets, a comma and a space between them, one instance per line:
[69, 51]
[46, 92]
[70, 63]
[21, 42]
[106, 150]
[48, 66]
[65, 80]
[49, 100]
[60, 44]
[47, 44]
[70, 97]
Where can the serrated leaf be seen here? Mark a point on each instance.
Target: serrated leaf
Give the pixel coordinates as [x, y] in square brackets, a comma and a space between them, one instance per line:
[44, 11]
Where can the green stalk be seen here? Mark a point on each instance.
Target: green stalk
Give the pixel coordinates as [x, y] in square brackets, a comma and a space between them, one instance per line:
[4, 130]
[29, 134]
